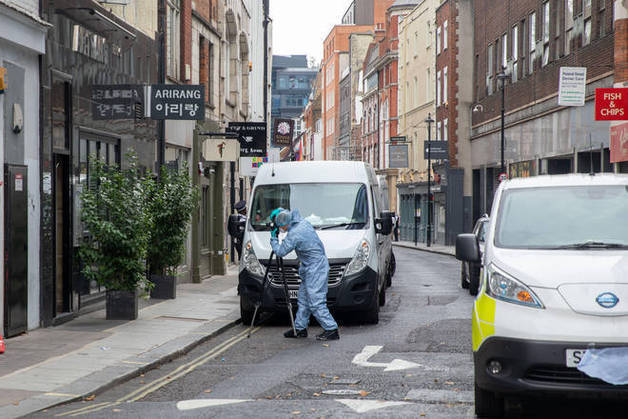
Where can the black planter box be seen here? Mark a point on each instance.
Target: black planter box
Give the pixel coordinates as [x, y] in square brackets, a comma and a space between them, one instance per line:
[122, 305]
[165, 287]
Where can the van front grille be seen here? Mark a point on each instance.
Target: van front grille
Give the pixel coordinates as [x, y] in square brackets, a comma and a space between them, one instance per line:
[336, 271]
[564, 375]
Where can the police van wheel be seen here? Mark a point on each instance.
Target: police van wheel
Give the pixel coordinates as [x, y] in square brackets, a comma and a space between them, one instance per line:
[246, 310]
[488, 404]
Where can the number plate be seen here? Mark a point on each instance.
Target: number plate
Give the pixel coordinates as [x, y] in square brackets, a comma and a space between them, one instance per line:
[574, 356]
[294, 294]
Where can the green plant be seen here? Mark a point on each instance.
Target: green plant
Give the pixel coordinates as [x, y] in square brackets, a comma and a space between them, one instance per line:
[115, 216]
[172, 201]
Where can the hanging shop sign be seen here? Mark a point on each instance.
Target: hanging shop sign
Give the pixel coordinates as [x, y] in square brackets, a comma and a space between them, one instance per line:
[283, 130]
[398, 156]
[169, 101]
[619, 143]
[252, 138]
[216, 149]
[611, 104]
[116, 101]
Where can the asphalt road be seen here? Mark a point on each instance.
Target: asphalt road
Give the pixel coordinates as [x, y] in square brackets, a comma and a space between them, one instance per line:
[415, 363]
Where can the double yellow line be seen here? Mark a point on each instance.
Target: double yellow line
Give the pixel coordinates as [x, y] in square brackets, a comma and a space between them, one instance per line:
[155, 385]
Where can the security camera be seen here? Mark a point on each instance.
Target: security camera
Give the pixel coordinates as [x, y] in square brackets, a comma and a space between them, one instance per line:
[478, 108]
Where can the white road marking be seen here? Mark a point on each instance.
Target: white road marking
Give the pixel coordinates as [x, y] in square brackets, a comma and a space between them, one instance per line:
[362, 359]
[362, 406]
[342, 392]
[440, 396]
[201, 403]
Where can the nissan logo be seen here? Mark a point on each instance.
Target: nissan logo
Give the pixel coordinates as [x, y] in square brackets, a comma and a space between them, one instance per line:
[607, 300]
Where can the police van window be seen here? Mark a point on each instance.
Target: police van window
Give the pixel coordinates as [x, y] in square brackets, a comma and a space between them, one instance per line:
[329, 205]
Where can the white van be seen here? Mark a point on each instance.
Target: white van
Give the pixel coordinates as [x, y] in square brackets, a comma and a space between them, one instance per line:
[341, 201]
[554, 283]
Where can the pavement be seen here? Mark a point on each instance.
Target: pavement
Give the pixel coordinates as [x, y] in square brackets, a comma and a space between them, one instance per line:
[434, 248]
[86, 356]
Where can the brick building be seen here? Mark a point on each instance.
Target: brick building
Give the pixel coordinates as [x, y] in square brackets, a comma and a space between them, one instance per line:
[531, 40]
[454, 96]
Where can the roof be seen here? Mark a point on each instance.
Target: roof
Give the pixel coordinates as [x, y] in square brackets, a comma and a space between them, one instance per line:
[320, 171]
[567, 180]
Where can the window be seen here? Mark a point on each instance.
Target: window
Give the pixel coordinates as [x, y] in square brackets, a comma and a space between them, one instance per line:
[445, 129]
[445, 85]
[515, 53]
[438, 34]
[568, 26]
[586, 11]
[546, 32]
[438, 89]
[416, 44]
[173, 42]
[408, 101]
[444, 35]
[532, 42]
[227, 64]
[489, 70]
[331, 99]
[601, 20]
[90, 148]
[415, 95]
[439, 127]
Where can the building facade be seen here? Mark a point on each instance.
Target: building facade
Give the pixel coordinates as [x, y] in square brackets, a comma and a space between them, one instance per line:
[527, 42]
[85, 47]
[22, 44]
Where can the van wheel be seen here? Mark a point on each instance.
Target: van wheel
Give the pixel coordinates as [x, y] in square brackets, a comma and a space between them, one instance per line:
[382, 297]
[372, 316]
[488, 404]
[246, 310]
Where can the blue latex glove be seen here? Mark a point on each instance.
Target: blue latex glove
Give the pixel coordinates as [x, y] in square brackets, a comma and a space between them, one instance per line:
[274, 233]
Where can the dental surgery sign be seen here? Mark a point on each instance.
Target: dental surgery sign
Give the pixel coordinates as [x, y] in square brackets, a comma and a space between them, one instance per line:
[177, 102]
[611, 104]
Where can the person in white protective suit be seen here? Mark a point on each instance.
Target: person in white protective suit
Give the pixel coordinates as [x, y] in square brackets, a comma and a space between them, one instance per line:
[313, 270]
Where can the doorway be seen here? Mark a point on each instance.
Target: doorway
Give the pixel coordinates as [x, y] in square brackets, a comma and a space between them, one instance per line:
[62, 227]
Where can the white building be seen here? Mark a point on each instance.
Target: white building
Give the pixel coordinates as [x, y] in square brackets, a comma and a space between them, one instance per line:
[22, 41]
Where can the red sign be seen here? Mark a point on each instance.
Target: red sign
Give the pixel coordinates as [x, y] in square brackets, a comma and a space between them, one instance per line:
[619, 143]
[611, 104]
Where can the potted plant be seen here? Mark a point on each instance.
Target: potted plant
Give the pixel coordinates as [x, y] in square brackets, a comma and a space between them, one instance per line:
[117, 223]
[172, 201]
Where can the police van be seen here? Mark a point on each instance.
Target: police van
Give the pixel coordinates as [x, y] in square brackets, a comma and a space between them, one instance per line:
[554, 285]
[343, 203]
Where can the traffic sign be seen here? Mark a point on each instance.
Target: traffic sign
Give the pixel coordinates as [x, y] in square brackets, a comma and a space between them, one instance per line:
[611, 104]
[438, 150]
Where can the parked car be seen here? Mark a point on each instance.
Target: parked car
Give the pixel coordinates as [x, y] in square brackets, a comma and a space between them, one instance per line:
[554, 286]
[342, 200]
[470, 271]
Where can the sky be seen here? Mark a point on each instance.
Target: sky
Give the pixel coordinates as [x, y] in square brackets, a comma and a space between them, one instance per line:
[301, 26]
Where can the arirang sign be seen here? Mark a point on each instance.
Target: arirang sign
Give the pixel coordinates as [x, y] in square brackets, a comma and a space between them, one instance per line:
[177, 102]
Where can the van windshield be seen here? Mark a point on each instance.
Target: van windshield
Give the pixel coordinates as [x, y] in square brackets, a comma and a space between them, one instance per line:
[324, 205]
[578, 217]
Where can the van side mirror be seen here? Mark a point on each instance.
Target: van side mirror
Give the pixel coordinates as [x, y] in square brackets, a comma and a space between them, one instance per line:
[384, 224]
[467, 248]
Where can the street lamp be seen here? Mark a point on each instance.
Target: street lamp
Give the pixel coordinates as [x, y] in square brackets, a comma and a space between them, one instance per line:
[429, 121]
[502, 77]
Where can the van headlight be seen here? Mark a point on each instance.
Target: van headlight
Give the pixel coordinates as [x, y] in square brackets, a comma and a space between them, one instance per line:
[360, 259]
[250, 262]
[506, 288]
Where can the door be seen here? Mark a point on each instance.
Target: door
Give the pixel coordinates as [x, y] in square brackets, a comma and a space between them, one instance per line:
[61, 236]
[15, 250]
